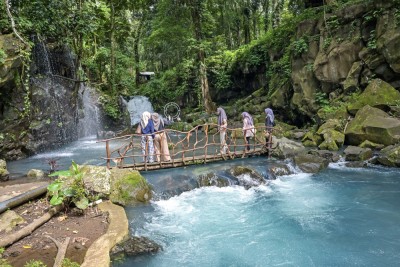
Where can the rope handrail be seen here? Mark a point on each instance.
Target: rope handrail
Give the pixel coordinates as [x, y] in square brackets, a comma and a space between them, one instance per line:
[177, 148]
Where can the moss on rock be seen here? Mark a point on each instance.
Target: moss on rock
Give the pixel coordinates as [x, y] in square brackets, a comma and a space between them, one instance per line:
[378, 94]
[129, 187]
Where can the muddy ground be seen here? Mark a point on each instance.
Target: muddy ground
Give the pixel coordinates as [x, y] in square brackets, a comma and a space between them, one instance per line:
[83, 230]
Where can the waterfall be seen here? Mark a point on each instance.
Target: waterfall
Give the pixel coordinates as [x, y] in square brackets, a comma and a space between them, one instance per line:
[136, 106]
[41, 57]
[89, 119]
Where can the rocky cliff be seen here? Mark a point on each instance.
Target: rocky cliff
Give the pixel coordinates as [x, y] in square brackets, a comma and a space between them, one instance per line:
[38, 103]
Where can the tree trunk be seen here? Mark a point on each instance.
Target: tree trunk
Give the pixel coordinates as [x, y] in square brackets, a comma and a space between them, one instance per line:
[112, 50]
[136, 49]
[196, 19]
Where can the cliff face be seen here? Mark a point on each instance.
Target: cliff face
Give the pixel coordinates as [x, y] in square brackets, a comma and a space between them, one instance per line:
[333, 59]
[346, 50]
[37, 110]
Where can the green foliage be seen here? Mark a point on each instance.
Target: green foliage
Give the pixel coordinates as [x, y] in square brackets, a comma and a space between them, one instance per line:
[68, 263]
[300, 46]
[110, 106]
[397, 16]
[35, 263]
[3, 262]
[333, 22]
[327, 42]
[171, 84]
[321, 99]
[3, 56]
[63, 193]
[371, 44]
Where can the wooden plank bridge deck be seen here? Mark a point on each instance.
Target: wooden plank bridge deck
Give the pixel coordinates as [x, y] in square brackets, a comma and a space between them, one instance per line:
[198, 146]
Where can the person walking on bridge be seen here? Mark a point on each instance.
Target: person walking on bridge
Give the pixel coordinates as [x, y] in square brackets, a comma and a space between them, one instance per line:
[248, 128]
[160, 140]
[222, 126]
[269, 124]
[147, 131]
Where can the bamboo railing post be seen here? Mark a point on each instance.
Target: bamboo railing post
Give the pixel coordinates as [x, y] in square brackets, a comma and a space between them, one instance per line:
[206, 146]
[108, 154]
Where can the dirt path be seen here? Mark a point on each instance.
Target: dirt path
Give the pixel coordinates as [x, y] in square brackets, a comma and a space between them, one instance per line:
[83, 229]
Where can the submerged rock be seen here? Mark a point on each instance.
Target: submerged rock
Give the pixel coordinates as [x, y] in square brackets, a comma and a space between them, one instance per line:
[247, 177]
[136, 245]
[211, 179]
[278, 170]
[310, 163]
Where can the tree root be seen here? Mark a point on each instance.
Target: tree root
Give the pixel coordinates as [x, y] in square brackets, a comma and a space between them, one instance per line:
[27, 230]
[62, 249]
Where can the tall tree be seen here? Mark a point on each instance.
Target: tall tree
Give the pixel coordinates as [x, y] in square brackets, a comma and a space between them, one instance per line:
[196, 8]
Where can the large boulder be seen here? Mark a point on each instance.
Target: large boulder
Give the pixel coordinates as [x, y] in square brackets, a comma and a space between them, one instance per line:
[97, 179]
[129, 187]
[333, 140]
[310, 163]
[332, 135]
[378, 94]
[390, 156]
[374, 125]
[4, 174]
[355, 153]
[286, 148]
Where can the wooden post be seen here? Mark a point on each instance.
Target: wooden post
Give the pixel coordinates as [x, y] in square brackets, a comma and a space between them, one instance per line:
[108, 154]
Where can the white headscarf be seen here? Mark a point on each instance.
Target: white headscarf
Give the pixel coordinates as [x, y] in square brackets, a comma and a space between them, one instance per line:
[145, 119]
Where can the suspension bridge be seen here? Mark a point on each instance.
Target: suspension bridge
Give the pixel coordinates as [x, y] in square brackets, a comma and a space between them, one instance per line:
[199, 145]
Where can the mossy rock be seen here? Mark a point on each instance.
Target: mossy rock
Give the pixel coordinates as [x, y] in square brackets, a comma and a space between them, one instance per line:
[372, 145]
[354, 153]
[390, 156]
[378, 94]
[330, 124]
[374, 125]
[4, 174]
[311, 140]
[129, 187]
[310, 163]
[329, 145]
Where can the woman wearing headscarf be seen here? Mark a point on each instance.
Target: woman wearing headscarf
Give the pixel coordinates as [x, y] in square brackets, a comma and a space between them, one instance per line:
[160, 140]
[248, 128]
[147, 130]
[222, 126]
[269, 123]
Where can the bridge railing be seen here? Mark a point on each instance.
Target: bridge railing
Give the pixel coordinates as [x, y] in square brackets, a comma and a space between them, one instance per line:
[199, 145]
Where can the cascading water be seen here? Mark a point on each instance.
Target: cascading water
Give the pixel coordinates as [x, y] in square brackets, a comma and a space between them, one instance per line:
[136, 106]
[338, 217]
[89, 119]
